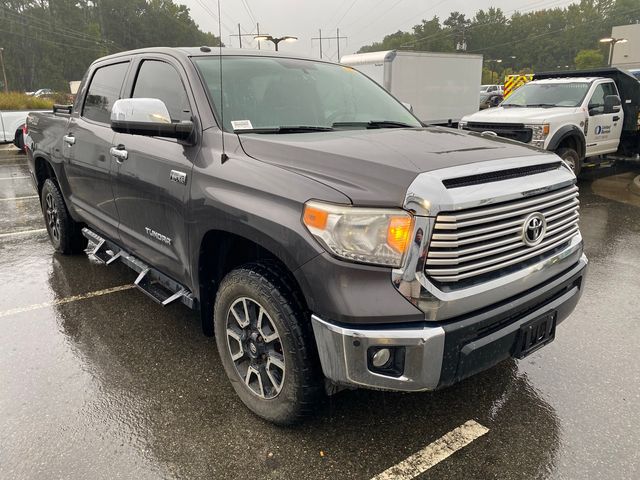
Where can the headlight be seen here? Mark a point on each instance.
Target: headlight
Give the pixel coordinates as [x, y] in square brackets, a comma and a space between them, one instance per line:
[461, 125]
[378, 236]
[539, 132]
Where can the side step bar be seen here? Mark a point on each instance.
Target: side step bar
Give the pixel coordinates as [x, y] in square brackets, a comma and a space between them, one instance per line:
[150, 281]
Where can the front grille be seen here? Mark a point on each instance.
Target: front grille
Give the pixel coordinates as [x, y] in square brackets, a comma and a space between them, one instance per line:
[482, 242]
[513, 131]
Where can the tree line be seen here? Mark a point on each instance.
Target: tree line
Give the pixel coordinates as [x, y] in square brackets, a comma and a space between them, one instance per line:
[537, 40]
[48, 43]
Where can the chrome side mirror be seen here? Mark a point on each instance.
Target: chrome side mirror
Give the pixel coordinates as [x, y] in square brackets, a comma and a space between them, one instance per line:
[149, 117]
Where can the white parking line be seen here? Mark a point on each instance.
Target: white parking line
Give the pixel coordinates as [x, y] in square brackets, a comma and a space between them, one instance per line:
[18, 198]
[22, 232]
[14, 178]
[62, 301]
[434, 453]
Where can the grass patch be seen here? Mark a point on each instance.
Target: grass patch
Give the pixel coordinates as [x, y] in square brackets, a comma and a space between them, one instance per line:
[20, 101]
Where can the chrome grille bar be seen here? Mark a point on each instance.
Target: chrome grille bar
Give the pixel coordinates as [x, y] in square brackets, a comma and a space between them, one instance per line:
[484, 240]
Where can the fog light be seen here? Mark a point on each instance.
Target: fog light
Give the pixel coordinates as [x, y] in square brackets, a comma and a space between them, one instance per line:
[381, 358]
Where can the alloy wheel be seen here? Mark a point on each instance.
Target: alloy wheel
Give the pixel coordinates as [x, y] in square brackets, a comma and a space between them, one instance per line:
[53, 220]
[255, 348]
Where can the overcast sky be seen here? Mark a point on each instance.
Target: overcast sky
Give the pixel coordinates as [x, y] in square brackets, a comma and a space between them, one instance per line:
[362, 21]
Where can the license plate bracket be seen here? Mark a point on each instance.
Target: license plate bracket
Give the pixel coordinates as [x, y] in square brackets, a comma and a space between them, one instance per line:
[535, 334]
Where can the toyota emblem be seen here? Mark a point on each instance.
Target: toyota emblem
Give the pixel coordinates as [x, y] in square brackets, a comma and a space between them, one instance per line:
[533, 229]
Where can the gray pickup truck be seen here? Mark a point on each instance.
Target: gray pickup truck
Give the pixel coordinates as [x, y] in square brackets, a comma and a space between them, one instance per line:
[327, 237]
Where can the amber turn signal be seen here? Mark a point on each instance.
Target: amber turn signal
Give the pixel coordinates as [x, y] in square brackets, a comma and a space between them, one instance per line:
[398, 233]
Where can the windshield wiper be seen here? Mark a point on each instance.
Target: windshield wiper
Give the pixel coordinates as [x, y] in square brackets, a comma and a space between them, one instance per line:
[374, 124]
[285, 129]
[543, 105]
[512, 105]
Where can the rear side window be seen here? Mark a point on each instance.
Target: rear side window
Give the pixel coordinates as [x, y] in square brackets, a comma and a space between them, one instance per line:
[104, 90]
[160, 80]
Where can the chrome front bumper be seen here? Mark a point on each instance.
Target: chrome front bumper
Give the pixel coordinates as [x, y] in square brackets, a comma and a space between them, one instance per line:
[343, 355]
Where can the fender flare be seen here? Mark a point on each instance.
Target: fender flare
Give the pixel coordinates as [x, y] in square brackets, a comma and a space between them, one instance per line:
[569, 131]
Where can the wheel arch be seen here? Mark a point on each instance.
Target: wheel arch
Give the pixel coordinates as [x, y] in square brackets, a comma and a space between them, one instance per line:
[42, 171]
[569, 136]
[222, 251]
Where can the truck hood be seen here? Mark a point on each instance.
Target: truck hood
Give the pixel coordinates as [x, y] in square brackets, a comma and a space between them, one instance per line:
[519, 115]
[375, 167]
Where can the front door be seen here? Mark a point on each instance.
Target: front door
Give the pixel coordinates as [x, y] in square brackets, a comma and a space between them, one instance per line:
[86, 145]
[151, 185]
[605, 129]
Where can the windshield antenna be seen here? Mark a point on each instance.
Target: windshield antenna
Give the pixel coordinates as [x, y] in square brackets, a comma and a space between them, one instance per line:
[224, 157]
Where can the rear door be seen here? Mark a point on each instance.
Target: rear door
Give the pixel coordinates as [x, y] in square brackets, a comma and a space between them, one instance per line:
[86, 145]
[151, 186]
[605, 129]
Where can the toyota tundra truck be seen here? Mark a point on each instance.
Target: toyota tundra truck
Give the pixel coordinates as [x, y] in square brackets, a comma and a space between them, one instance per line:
[328, 239]
[582, 116]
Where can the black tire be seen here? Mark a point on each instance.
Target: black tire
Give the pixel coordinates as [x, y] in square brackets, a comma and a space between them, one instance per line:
[570, 156]
[18, 140]
[301, 387]
[65, 234]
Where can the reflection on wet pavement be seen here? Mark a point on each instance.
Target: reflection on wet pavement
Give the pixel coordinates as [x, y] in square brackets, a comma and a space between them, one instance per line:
[118, 387]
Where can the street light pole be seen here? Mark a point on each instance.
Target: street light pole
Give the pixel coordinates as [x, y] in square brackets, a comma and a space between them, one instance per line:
[275, 40]
[4, 73]
[612, 44]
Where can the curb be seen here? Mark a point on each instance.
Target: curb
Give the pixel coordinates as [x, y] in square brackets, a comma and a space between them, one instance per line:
[635, 186]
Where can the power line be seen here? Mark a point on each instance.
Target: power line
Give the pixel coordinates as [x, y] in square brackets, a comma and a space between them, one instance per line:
[337, 38]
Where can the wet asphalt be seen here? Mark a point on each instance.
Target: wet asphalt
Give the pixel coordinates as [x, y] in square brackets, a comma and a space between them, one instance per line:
[114, 386]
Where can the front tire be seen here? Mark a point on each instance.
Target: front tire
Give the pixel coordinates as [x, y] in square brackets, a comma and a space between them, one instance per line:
[570, 156]
[65, 234]
[266, 346]
[18, 140]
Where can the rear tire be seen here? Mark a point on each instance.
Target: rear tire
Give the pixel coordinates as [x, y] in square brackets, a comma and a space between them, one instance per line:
[18, 140]
[572, 158]
[266, 345]
[65, 234]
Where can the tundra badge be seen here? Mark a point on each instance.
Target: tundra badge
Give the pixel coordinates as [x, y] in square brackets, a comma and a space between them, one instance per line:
[158, 236]
[178, 177]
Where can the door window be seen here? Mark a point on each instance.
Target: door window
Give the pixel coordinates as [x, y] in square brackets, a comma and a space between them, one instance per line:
[596, 104]
[104, 90]
[160, 80]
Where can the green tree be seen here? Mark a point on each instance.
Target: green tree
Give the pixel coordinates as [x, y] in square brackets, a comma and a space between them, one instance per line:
[589, 59]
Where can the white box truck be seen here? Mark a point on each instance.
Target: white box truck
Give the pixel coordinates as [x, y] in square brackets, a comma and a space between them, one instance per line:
[441, 87]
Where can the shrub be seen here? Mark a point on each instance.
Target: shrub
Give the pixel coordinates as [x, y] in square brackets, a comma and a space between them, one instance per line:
[21, 101]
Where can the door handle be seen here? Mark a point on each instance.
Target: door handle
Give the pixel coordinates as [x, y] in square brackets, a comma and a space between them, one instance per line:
[119, 152]
[69, 139]
[616, 118]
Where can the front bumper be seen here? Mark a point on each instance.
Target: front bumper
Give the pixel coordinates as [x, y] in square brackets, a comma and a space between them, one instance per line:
[438, 354]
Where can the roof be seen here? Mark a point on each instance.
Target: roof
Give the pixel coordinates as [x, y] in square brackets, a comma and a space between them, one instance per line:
[569, 80]
[389, 55]
[184, 52]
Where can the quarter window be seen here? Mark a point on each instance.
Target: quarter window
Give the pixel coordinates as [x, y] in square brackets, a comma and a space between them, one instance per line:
[160, 80]
[104, 90]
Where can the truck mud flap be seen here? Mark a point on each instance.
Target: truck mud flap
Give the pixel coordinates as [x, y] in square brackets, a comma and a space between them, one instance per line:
[159, 287]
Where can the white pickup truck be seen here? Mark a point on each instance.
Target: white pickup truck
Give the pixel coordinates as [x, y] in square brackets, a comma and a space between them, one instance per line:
[578, 115]
[12, 127]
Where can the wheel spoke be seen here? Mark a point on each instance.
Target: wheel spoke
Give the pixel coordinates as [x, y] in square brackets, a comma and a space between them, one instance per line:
[266, 336]
[242, 323]
[251, 372]
[275, 362]
[235, 356]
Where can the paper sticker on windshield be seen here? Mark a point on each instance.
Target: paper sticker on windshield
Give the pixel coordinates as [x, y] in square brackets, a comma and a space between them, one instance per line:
[241, 124]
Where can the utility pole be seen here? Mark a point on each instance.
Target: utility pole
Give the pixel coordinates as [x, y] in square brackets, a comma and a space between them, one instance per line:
[337, 38]
[252, 35]
[4, 73]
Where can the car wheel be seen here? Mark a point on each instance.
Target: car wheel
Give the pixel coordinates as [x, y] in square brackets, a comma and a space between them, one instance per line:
[65, 234]
[264, 338]
[18, 140]
[572, 158]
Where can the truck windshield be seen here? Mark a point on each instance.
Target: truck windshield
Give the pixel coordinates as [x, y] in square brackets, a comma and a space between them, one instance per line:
[283, 95]
[548, 95]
